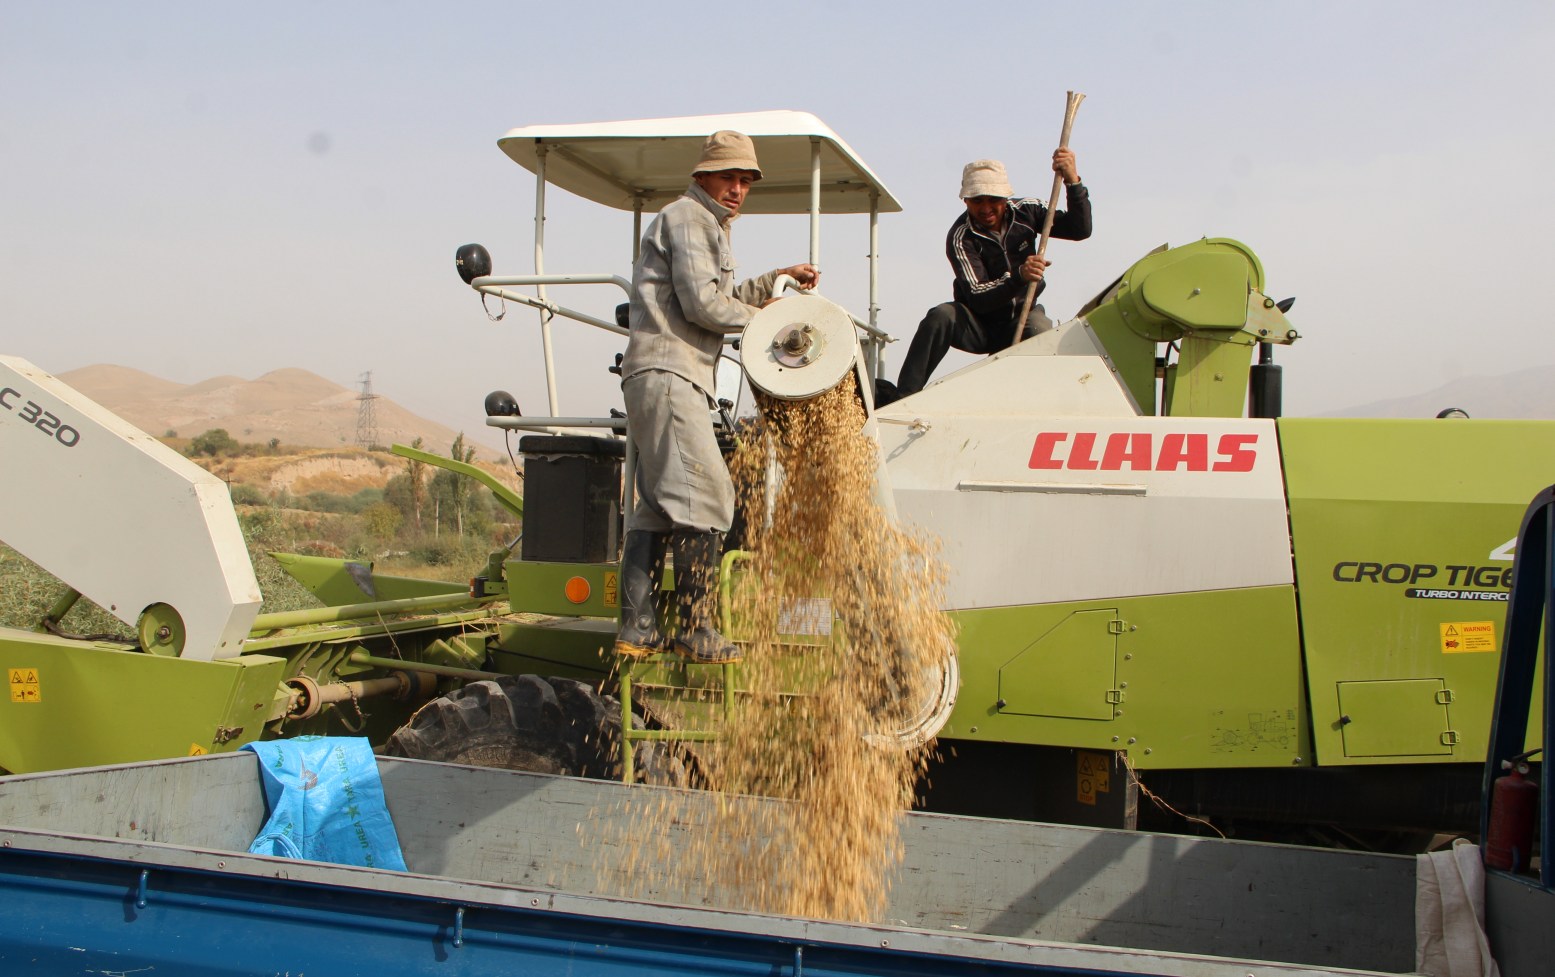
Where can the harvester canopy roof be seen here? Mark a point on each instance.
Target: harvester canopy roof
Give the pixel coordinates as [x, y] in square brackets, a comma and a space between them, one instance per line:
[616, 163]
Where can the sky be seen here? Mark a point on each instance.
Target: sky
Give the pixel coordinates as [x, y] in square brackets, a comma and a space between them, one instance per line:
[198, 189]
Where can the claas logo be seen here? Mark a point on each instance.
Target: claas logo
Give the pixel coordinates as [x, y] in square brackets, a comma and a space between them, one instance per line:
[1141, 452]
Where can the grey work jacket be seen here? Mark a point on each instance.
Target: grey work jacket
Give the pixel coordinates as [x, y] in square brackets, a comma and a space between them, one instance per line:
[684, 299]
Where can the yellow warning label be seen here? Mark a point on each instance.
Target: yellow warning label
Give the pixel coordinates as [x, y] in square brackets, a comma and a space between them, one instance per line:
[196, 749]
[1459, 637]
[612, 589]
[25, 686]
[1092, 775]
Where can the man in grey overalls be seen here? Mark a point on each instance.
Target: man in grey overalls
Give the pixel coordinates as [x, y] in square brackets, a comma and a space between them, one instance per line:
[684, 301]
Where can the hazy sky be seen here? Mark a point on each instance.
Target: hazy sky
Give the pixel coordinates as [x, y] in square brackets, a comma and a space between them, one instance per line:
[199, 189]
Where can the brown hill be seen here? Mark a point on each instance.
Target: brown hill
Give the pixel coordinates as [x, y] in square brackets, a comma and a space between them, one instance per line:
[293, 406]
[114, 385]
[1524, 395]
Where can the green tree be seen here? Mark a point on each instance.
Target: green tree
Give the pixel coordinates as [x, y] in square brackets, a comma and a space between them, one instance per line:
[381, 520]
[214, 443]
[416, 470]
[396, 492]
[364, 498]
[441, 493]
[460, 490]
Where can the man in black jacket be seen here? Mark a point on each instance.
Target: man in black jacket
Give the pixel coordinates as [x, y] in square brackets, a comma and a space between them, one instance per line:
[993, 250]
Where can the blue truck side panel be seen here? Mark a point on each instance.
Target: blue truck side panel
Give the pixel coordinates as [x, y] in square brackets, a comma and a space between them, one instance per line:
[69, 915]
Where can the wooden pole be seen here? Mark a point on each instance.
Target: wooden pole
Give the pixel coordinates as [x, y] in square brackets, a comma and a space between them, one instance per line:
[1073, 106]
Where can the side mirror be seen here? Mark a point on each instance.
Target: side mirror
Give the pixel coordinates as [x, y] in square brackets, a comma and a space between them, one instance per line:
[500, 403]
[473, 261]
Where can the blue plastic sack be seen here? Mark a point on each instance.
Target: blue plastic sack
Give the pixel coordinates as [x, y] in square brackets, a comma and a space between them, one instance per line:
[325, 803]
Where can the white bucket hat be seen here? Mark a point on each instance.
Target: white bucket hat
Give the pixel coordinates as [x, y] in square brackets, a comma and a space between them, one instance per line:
[985, 178]
[727, 150]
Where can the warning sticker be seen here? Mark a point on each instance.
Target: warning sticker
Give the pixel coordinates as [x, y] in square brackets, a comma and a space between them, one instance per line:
[196, 749]
[1459, 637]
[612, 589]
[1092, 775]
[25, 686]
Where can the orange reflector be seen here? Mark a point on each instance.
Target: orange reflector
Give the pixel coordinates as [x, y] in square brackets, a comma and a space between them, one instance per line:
[577, 590]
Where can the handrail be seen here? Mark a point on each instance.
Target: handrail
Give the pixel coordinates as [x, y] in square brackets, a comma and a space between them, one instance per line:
[493, 285]
[553, 423]
[595, 279]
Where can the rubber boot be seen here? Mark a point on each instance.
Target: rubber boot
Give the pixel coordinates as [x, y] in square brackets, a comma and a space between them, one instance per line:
[696, 573]
[642, 571]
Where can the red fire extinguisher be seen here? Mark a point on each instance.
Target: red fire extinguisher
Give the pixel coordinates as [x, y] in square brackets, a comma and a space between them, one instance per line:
[1514, 806]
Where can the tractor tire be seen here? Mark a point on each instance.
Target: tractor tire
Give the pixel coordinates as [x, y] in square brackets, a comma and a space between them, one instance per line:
[540, 725]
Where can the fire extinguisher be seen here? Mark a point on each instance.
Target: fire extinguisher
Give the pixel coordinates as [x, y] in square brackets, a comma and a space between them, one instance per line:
[1514, 806]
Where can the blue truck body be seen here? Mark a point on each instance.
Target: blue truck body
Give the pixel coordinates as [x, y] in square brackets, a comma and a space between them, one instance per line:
[143, 867]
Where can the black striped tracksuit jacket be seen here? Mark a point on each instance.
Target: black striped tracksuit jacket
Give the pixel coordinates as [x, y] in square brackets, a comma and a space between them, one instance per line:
[987, 271]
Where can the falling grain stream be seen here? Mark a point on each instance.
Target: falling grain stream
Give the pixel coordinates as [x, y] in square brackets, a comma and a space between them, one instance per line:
[813, 728]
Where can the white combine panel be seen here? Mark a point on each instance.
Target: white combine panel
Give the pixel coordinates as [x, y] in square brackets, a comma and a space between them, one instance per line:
[118, 515]
[1037, 471]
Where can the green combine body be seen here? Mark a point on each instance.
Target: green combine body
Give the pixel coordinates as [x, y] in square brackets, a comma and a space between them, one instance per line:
[1404, 532]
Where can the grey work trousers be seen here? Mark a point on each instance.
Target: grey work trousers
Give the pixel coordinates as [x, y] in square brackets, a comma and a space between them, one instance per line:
[683, 483]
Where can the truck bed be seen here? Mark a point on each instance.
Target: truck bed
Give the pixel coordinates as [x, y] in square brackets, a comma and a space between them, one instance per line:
[117, 869]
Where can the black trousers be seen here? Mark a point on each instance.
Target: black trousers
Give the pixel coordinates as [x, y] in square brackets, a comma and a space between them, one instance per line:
[953, 324]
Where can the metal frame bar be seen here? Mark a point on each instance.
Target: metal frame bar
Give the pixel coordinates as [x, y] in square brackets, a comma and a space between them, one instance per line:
[630, 734]
[875, 351]
[1532, 597]
[815, 201]
[590, 279]
[374, 611]
[545, 313]
[551, 308]
[368, 630]
[637, 230]
[491, 285]
[554, 423]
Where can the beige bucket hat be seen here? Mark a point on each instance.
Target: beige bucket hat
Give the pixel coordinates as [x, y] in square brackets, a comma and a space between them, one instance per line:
[727, 150]
[985, 178]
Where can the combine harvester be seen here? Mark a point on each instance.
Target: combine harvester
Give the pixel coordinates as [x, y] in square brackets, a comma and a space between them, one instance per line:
[1269, 620]
[1264, 619]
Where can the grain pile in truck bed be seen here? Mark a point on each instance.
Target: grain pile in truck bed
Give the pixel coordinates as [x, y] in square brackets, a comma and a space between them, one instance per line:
[830, 562]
